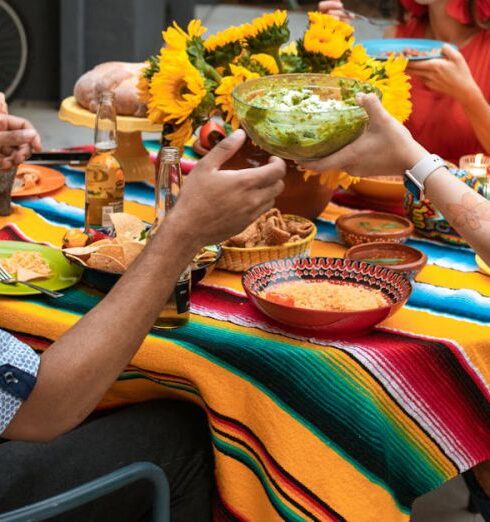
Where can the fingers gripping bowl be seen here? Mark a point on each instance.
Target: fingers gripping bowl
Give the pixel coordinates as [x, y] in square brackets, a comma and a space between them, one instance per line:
[391, 290]
[301, 116]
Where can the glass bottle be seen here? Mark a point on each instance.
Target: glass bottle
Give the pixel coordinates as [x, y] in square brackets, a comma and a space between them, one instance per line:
[104, 177]
[169, 182]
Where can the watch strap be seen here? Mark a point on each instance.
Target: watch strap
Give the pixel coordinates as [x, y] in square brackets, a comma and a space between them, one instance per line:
[418, 174]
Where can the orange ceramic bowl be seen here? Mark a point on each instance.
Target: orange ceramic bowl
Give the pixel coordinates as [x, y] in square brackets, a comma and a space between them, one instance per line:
[395, 256]
[395, 287]
[381, 189]
[366, 226]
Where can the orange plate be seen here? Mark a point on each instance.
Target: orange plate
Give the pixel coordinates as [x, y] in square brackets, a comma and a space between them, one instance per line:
[49, 181]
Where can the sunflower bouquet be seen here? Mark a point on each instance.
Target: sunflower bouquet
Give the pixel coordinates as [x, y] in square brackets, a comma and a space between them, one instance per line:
[193, 77]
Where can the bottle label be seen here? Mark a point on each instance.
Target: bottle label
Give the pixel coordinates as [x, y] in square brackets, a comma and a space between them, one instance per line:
[183, 292]
[112, 208]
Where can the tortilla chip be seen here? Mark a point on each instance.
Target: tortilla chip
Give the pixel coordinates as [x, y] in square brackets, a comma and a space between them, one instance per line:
[132, 249]
[78, 260]
[127, 227]
[80, 251]
[102, 242]
[105, 263]
[25, 274]
[113, 250]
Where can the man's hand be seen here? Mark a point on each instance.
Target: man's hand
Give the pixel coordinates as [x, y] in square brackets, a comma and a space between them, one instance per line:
[3, 104]
[218, 204]
[449, 75]
[336, 9]
[18, 139]
[386, 147]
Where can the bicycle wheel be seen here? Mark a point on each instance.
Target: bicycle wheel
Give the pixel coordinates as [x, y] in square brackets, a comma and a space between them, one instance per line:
[13, 49]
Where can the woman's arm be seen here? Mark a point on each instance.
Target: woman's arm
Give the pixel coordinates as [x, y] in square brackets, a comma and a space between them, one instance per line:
[76, 370]
[453, 77]
[387, 148]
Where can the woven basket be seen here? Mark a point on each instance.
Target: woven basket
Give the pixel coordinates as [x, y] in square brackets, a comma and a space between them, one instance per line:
[240, 259]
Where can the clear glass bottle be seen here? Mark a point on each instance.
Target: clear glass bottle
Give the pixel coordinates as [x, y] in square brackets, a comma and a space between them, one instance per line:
[104, 177]
[169, 182]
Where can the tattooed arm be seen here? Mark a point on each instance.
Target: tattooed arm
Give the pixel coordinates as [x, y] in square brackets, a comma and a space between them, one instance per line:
[387, 148]
[465, 210]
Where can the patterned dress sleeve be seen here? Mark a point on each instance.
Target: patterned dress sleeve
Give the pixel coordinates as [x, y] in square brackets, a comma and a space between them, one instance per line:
[19, 365]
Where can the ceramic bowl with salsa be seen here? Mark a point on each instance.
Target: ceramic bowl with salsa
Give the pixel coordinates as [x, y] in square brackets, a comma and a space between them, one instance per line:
[367, 226]
[395, 256]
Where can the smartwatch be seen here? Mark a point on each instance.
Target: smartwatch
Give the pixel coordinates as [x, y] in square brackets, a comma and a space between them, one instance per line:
[417, 175]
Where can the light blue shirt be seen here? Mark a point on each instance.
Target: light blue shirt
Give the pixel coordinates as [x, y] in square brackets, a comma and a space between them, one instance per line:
[19, 365]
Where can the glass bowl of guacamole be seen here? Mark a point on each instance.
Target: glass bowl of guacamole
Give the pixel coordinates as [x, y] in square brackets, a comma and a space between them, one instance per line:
[301, 116]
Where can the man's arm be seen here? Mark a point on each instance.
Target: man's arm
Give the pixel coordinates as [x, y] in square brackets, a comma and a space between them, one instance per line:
[77, 369]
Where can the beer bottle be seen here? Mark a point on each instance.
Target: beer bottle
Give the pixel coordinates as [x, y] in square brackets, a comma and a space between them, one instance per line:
[168, 185]
[104, 178]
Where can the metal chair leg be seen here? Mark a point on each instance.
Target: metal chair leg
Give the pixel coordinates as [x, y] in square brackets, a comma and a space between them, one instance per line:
[98, 488]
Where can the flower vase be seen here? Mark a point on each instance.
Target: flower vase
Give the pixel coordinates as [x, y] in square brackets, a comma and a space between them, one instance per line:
[301, 198]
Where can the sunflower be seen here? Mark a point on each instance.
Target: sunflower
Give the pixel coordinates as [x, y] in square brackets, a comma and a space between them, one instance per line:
[222, 48]
[390, 78]
[224, 99]
[176, 90]
[358, 71]
[266, 62]
[177, 39]
[290, 48]
[332, 178]
[268, 32]
[327, 36]
[181, 134]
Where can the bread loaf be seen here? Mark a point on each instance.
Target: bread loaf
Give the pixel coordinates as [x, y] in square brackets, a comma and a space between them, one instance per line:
[119, 77]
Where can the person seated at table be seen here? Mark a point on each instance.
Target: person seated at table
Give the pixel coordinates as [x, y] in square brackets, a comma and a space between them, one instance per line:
[387, 148]
[51, 440]
[451, 110]
[18, 138]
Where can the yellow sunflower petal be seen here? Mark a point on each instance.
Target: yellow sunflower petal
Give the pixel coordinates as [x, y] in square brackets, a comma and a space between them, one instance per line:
[267, 62]
[224, 98]
[181, 135]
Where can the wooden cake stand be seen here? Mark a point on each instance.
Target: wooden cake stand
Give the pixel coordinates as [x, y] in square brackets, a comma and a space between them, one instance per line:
[131, 152]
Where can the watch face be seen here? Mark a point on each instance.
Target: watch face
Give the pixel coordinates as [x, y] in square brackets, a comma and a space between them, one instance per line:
[412, 187]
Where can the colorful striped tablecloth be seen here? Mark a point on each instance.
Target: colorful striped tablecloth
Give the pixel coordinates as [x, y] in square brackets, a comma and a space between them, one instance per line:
[303, 428]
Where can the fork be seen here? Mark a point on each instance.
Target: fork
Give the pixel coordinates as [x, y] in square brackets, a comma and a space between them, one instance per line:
[7, 279]
[372, 21]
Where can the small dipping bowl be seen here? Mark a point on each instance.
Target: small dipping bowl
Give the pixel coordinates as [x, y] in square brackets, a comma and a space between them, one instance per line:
[397, 257]
[373, 227]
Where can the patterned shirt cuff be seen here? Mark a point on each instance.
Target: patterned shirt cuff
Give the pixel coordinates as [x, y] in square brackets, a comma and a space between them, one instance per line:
[19, 365]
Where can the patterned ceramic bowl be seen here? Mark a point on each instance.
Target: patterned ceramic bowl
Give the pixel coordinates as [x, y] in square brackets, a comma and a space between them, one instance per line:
[395, 287]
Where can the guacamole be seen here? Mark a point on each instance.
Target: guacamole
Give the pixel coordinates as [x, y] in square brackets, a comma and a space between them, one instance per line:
[299, 124]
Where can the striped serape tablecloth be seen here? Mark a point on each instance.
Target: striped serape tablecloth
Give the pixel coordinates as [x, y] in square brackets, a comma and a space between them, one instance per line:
[303, 428]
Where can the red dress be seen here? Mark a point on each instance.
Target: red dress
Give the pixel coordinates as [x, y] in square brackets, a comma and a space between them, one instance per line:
[438, 121]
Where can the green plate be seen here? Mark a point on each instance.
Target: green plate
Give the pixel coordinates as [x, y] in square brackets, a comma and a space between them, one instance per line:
[64, 273]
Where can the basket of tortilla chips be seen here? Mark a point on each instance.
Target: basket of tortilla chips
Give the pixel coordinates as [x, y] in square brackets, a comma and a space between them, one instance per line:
[106, 258]
[271, 236]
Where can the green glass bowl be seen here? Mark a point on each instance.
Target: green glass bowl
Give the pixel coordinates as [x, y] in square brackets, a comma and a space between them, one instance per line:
[296, 134]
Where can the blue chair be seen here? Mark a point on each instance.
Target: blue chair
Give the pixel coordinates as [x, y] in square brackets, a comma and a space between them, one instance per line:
[98, 488]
